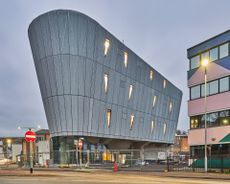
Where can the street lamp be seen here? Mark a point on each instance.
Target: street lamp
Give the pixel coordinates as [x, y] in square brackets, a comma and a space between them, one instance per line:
[205, 64]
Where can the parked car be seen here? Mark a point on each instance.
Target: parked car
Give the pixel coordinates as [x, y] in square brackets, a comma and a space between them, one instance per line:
[139, 162]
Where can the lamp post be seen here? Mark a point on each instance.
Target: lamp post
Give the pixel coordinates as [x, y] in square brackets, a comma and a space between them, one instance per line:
[205, 63]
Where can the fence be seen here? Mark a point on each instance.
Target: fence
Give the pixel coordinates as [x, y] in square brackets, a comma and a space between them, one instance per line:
[126, 159]
[215, 163]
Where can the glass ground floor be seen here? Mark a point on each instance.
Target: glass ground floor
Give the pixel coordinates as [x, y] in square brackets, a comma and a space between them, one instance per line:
[80, 150]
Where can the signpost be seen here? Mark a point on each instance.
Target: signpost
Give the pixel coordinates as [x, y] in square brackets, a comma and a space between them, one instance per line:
[80, 146]
[30, 137]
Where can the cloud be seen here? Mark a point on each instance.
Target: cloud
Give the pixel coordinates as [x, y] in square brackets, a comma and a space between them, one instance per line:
[158, 31]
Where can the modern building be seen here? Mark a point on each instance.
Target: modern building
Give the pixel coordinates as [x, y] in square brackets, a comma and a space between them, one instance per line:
[10, 147]
[216, 51]
[94, 87]
[180, 146]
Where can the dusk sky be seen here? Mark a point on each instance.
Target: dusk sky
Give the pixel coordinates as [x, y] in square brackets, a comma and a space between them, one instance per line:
[159, 31]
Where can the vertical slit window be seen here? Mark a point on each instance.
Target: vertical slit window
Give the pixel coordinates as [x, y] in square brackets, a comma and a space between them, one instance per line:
[109, 117]
[131, 121]
[154, 100]
[125, 59]
[165, 127]
[106, 81]
[164, 83]
[130, 91]
[170, 107]
[106, 46]
[152, 126]
[151, 75]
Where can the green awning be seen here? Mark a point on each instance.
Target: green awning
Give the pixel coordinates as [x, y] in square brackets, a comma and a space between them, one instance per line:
[226, 138]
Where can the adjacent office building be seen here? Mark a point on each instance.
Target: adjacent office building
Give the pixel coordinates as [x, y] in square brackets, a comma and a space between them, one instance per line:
[216, 51]
[94, 87]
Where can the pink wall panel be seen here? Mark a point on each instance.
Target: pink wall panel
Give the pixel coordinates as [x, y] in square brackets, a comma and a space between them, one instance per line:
[214, 103]
[214, 135]
[214, 71]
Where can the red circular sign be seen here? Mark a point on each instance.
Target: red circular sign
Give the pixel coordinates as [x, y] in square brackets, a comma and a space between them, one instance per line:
[30, 136]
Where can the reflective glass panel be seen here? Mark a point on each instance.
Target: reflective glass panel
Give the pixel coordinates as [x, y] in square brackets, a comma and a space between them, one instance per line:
[224, 84]
[224, 50]
[195, 92]
[214, 54]
[213, 87]
[194, 62]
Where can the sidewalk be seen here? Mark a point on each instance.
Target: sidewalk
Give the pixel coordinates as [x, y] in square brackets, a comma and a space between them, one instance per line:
[51, 172]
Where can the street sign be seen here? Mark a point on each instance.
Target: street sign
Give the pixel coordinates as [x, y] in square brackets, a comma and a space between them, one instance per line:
[30, 136]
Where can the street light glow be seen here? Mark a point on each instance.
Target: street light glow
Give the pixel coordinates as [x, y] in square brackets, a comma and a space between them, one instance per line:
[205, 62]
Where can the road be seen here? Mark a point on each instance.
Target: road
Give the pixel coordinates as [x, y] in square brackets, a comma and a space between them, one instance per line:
[96, 178]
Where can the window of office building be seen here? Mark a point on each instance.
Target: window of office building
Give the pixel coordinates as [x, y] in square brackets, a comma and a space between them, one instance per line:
[195, 92]
[213, 119]
[106, 46]
[106, 81]
[152, 126]
[125, 59]
[154, 100]
[224, 50]
[151, 75]
[130, 91]
[205, 56]
[201, 119]
[224, 118]
[109, 117]
[224, 84]
[131, 121]
[213, 87]
[194, 62]
[194, 122]
[203, 90]
[214, 54]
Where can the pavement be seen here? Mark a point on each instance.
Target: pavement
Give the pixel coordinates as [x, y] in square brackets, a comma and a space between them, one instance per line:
[104, 177]
[52, 172]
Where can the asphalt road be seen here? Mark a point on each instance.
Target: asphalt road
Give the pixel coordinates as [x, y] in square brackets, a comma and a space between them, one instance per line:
[96, 178]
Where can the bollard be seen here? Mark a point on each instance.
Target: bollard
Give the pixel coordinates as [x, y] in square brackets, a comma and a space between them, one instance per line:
[115, 167]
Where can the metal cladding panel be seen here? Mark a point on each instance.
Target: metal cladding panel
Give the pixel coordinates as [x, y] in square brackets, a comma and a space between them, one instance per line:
[68, 52]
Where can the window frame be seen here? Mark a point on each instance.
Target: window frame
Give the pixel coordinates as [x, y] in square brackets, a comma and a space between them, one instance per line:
[227, 50]
[190, 65]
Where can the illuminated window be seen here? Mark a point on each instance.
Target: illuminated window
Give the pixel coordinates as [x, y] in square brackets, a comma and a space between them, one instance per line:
[130, 91]
[125, 59]
[154, 100]
[165, 82]
[170, 107]
[165, 126]
[151, 75]
[131, 121]
[106, 46]
[106, 80]
[108, 117]
[194, 123]
[152, 126]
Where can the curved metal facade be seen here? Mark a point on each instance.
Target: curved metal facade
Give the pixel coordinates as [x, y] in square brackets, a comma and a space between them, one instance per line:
[68, 51]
